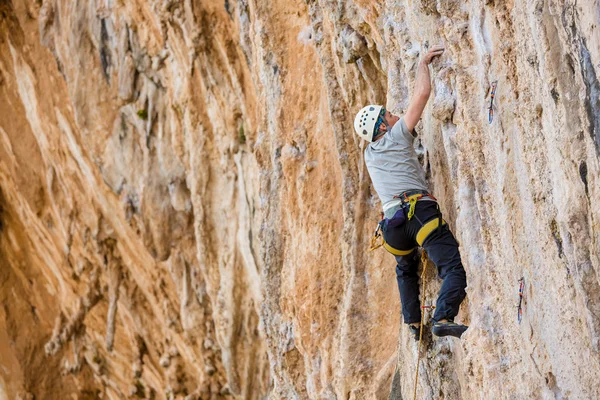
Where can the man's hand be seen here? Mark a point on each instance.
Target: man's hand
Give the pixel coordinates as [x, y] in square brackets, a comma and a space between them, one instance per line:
[435, 51]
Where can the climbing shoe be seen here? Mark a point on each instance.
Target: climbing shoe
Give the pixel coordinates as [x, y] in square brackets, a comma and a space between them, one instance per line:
[448, 329]
[415, 331]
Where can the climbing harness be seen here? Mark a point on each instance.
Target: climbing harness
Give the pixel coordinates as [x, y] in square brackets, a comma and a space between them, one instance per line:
[428, 227]
[405, 200]
[491, 107]
[519, 308]
[423, 306]
[377, 241]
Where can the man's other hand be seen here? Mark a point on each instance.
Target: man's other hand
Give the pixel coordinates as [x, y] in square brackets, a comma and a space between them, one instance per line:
[435, 51]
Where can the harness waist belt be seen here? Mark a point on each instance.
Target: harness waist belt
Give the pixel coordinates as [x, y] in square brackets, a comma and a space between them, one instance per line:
[408, 193]
[400, 199]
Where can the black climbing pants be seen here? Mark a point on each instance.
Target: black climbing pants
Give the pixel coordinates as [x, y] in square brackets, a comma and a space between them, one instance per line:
[442, 249]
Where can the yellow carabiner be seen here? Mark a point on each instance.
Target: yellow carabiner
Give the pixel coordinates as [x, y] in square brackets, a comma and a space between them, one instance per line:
[374, 244]
[376, 235]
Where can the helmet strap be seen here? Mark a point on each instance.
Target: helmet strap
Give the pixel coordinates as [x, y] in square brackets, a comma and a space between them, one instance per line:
[387, 126]
[380, 133]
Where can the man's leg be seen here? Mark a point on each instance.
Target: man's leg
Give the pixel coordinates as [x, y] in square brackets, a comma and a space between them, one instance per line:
[442, 249]
[408, 285]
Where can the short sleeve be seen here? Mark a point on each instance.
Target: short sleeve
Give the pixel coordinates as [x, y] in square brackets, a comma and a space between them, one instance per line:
[400, 132]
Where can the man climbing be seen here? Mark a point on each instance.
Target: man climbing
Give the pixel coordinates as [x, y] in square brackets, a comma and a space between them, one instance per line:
[411, 215]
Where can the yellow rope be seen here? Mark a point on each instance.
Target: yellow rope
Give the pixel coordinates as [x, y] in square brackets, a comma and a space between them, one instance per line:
[424, 262]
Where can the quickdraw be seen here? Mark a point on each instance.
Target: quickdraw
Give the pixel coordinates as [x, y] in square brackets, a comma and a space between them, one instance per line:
[519, 308]
[376, 236]
[491, 107]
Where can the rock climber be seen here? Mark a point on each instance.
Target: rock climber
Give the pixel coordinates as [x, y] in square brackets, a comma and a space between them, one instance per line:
[412, 215]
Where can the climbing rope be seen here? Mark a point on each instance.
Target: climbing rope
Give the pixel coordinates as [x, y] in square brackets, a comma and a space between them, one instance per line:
[424, 263]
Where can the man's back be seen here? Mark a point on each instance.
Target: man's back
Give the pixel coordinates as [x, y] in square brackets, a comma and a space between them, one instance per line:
[393, 164]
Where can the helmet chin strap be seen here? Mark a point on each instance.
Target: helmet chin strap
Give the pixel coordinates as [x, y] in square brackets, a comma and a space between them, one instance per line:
[387, 129]
[387, 126]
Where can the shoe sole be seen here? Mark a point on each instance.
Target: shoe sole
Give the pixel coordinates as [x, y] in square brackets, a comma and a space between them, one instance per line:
[455, 330]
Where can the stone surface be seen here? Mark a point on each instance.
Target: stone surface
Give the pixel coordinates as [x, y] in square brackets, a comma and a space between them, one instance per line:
[185, 211]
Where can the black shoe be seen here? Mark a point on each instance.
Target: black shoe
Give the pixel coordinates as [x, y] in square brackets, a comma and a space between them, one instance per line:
[448, 329]
[415, 331]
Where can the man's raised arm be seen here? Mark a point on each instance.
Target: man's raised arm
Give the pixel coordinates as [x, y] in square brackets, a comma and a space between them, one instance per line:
[422, 89]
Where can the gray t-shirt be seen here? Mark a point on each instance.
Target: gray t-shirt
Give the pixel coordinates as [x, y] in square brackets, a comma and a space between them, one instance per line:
[393, 164]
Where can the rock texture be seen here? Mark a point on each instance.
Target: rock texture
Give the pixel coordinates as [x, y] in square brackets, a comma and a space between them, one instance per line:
[185, 211]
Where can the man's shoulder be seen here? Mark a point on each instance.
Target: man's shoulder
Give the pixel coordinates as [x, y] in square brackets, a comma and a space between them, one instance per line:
[368, 151]
[388, 141]
[399, 137]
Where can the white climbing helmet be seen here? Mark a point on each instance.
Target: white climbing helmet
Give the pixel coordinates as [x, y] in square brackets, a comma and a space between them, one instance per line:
[365, 120]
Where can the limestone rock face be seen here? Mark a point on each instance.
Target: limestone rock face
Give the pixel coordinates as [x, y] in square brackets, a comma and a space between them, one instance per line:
[185, 209]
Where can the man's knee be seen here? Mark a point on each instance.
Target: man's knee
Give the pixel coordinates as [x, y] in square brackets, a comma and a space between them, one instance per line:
[449, 263]
[405, 272]
[455, 272]
[407, 265]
